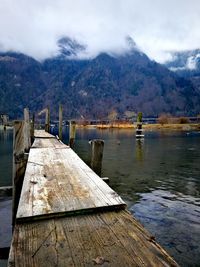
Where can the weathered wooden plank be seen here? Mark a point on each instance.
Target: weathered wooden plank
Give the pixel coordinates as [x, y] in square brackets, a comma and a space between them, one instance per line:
[42, 134]
[48, 143]
[19, 163]
[107, 239]
[58, 181]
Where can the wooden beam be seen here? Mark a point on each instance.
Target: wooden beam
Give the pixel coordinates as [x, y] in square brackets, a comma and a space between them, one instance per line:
[19, 163]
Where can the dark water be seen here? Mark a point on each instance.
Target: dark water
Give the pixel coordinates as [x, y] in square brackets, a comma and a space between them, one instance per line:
[6, 140]
[158, 177]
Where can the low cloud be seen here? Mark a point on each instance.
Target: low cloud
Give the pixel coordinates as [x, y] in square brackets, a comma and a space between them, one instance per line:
[158, 27]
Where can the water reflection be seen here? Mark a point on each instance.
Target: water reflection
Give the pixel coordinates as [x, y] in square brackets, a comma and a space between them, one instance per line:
[139, 150]
[159, 179]
[175, 221]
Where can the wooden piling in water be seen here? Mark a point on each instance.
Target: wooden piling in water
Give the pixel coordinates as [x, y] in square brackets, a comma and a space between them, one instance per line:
[97, 155]
[32, 125]
[60, 121]
[72, 133]
[139, 130]
[19, 163]
[47, 120]
[27, 131]
[5, 121]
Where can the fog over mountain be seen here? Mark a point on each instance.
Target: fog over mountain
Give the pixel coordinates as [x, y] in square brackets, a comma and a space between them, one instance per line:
[33, 27]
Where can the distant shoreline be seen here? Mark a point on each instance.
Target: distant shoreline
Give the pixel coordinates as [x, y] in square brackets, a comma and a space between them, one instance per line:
[150, 127]
[157, 126]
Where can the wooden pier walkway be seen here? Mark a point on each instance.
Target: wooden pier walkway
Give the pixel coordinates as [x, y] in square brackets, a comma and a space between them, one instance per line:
[68, 216]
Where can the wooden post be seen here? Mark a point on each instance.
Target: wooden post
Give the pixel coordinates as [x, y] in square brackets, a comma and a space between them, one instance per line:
[139, 130]
[5, 121]
[19, 163]
[32, 128]
[97, 155]
[27, 133]
[47, 120]
[60, 121]
[72, 133]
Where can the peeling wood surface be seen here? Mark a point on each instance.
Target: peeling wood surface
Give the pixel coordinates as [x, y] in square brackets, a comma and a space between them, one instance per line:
[58, 181]
[106, 239]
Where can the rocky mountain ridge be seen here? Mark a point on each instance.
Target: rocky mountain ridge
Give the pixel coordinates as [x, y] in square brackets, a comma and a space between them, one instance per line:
[93, 88]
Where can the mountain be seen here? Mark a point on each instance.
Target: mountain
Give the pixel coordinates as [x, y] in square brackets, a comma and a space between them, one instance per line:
[186, 64]
[69, 48]
[95, 87]
[21, 81]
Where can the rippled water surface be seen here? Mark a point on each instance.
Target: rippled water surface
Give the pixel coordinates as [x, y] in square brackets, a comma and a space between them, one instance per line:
[158, 177]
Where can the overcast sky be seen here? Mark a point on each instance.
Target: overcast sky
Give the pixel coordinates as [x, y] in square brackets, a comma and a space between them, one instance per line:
[157, 26]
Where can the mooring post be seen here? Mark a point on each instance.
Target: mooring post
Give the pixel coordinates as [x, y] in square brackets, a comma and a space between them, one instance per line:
[27, 133]
[139, 125]
[32, 128]
[97, 155]
[60, 121]
[72, 133]
[47, 120]
[19, 163]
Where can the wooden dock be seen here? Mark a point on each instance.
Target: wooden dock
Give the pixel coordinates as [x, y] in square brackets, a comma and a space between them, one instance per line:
[68, 216]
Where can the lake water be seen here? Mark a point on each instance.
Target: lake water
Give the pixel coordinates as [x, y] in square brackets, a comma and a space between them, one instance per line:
[6, 138]
[158, 177]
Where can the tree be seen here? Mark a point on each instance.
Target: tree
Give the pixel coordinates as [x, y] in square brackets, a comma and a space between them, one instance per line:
[139, 117]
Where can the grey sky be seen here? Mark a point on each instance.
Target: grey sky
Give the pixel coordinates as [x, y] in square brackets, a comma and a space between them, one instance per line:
[33, 26]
